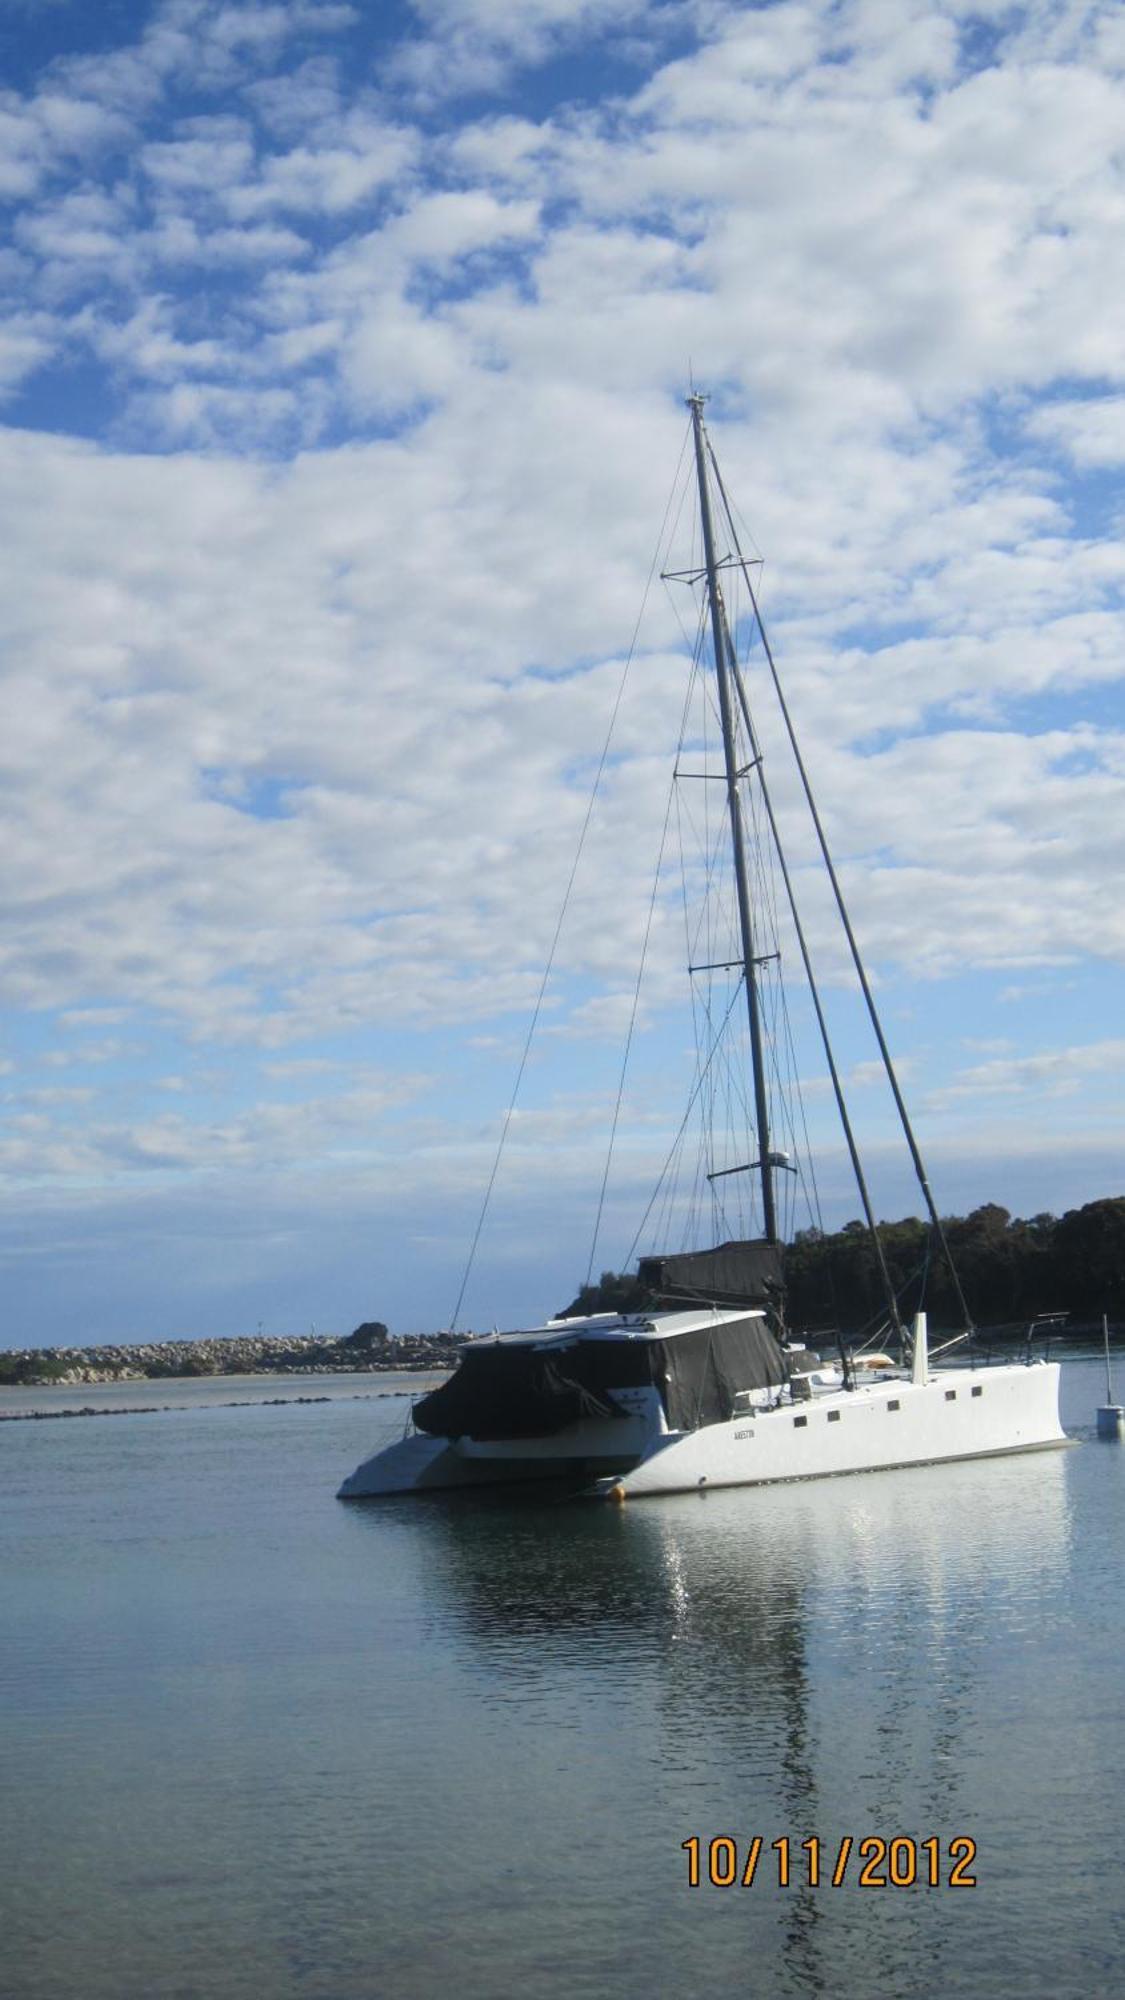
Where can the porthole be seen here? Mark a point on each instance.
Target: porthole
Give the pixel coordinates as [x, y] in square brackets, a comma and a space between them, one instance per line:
[893, 1404]
[978, 1391]
[833, 1416]
[951, 1395]
[799, 1423]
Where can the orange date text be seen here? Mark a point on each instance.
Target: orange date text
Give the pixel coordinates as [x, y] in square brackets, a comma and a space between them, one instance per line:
[871, 1861]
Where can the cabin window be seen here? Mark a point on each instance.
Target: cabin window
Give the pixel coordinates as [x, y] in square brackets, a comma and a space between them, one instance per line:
[951, 1395]
[893, 1404]
[833, 1416]
[799, 1423]
[978, 1391]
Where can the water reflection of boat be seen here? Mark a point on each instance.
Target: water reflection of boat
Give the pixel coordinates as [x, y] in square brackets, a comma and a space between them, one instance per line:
[708, 1388]
[831, 1660]
[714, 1607]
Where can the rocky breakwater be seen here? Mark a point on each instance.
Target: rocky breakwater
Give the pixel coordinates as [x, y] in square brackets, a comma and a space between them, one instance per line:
[369, 1349]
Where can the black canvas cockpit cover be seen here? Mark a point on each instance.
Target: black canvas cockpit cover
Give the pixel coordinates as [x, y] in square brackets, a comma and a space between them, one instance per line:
[520, 1391]
[737, 1274]
[704, 1369]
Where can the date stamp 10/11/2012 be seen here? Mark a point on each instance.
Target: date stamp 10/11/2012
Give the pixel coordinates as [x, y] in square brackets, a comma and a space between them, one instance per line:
[899, 1862]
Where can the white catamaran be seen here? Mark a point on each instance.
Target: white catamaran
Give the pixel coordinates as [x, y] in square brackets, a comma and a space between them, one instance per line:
[706, 1386]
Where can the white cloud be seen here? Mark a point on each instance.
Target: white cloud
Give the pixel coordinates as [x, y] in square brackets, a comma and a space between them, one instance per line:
[321, 1131]
[349, 159]
[1091, 430]
[210, 158]
[472, 45]
[87, 1053]
[26, 340]
[874, 1071]
[86, 227]
[1050, 1073]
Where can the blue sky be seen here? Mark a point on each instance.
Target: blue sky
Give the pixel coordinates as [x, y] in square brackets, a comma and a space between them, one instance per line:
[342, 354]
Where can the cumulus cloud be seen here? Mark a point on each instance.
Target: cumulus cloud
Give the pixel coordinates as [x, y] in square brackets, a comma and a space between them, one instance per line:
[1091, 430]
[474, 45]
[1049, 1073]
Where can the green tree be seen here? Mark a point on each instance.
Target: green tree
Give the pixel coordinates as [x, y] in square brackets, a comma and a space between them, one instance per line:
[1089, 1256]
[615, 1291]
[1009, 1270]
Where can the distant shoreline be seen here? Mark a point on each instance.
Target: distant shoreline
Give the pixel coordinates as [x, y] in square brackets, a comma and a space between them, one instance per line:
[152, 1361]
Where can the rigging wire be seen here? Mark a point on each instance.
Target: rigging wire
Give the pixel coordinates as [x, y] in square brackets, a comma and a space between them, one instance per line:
[712, 948]
[689, 955]
[636, 1004]
[548, 968]
[679, 1135]
[837, 1086]
[884, 1051]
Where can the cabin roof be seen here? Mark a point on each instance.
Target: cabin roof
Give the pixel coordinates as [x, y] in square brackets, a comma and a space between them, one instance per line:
[619, 1326]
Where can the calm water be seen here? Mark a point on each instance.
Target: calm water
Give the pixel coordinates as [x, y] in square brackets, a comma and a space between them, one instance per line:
[188, 1393]
[258, 1745]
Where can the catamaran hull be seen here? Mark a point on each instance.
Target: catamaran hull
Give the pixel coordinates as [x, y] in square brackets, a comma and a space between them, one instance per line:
[957, 1414]
[874, 1427]
[581, 1455]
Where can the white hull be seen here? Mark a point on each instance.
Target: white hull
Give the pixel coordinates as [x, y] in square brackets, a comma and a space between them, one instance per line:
[427, 1465]
[881, 1424]
[962, 1413]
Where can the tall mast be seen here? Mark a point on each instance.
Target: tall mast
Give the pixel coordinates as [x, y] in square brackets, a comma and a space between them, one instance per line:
[865, 986]
[720, 636]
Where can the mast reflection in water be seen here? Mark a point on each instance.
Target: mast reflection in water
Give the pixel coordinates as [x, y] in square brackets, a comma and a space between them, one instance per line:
[813, 1661]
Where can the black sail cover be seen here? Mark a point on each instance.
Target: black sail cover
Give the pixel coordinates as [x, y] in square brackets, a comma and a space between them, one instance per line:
[517, 1390]
[736, 1274]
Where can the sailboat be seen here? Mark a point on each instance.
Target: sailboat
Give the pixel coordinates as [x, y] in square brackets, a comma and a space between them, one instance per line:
[706, 1386]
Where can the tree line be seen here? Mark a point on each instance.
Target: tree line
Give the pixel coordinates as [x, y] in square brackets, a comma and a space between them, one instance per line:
[1010, 1269]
